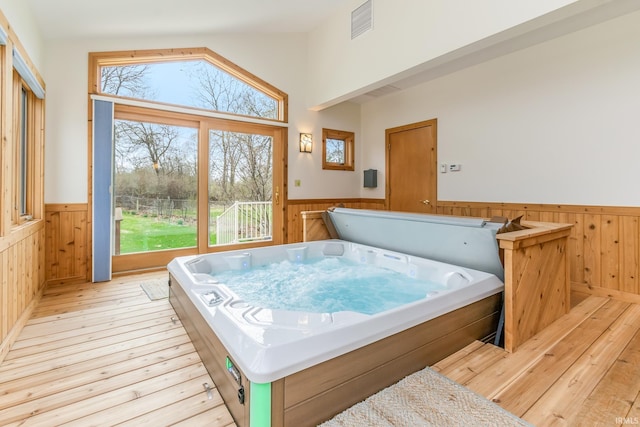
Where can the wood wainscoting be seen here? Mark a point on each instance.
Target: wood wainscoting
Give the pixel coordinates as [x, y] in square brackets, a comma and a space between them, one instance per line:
[67, 237]
[295, 229]
[604, 245]
[22, 279]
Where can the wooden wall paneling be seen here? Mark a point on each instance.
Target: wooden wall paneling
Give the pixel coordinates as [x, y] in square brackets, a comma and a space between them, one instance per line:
[4, 295]
[67, 256]
[548, 216]
[574, 245]
[14, 285]
[21, 278]
[629, 254]
[592, 254]
[295, 207]
[603, 248]
[52, 233]
[610, 252]
[81, 237]
[65, 245]
[532, 216]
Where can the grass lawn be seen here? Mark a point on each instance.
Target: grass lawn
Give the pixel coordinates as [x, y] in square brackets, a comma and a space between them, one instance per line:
[141, 234]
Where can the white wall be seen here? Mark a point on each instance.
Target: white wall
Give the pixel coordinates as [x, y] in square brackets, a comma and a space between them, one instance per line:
[19, 16]
[554, 123]
[273, 58]
[406, 34]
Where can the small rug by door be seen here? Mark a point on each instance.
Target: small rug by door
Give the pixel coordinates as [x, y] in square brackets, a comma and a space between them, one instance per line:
[156, 289]
[425, 398]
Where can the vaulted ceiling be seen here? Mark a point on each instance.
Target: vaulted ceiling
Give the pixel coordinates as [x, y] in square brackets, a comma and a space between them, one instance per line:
[122, 18]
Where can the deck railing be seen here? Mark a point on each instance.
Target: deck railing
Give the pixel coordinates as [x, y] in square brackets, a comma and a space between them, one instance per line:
[244, 222]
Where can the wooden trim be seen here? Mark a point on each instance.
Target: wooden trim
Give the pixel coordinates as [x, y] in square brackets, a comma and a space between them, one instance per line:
[98, 59]
[536, 234]
[66, 207]
[336, 201]
[18, 234]
[538, 207]
[607, 293]
[6, 130]
[143, 261]
[434, 182]
[349, 149]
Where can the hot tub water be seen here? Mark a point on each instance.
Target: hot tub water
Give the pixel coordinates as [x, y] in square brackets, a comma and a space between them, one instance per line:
[326, 285]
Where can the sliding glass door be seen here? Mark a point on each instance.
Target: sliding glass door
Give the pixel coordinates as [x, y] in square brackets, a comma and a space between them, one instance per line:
[155, 187]
[240, 186]
[184, 184]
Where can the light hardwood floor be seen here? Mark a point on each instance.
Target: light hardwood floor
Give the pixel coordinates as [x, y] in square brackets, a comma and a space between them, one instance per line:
[583, 370]
[104, 354]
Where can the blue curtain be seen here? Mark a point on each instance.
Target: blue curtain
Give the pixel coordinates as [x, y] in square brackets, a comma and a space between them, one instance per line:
[102, 182]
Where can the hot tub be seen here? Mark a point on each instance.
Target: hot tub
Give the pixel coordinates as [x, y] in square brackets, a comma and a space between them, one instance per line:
[297, 365]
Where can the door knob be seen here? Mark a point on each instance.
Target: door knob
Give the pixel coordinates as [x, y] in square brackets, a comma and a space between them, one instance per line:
[425, 202]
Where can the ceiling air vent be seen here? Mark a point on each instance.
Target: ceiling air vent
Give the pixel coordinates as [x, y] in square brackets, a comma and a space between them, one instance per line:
[362, 19]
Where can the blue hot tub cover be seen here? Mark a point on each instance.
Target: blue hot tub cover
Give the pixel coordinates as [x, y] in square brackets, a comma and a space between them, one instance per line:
[468, 242]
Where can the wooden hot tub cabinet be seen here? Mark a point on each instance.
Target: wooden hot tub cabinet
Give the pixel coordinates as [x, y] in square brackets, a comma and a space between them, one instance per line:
[537, 288]
[536, 274]
[317, 393]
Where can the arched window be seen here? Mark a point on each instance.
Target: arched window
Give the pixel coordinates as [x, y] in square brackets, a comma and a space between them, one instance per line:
[198, 78]
[195, 138]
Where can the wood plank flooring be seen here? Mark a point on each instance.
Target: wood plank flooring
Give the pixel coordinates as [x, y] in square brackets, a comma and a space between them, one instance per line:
[104, 354]
[583, 370]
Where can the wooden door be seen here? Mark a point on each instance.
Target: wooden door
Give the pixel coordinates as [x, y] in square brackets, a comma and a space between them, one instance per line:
[412, 167]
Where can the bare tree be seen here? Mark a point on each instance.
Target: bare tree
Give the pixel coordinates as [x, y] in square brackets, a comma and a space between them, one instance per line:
[145, 143]
[256, 165]
[238, 161]
[125, 80]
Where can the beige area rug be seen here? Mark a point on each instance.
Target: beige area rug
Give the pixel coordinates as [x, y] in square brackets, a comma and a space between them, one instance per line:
[156, 289]
[425, 398]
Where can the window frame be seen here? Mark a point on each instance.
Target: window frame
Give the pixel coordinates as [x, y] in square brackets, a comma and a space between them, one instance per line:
[349, 149]
[133, 108]
[24, 165]
[97, 60]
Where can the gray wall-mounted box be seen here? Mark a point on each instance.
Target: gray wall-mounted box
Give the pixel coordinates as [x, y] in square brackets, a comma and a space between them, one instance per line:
[371, 178]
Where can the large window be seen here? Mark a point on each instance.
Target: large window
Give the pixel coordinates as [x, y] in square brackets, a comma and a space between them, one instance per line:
[25, 152]
[155, 191]
[193, 83]
[195, 139]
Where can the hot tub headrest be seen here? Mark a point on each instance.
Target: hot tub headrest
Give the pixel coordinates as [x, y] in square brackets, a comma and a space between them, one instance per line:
[468, 242]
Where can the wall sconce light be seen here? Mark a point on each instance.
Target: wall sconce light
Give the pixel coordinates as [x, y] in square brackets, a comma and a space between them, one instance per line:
[306, 142]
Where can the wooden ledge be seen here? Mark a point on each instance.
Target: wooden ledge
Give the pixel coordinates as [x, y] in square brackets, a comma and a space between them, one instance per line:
[536, 233]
